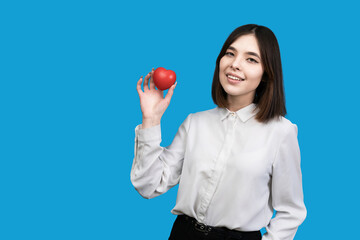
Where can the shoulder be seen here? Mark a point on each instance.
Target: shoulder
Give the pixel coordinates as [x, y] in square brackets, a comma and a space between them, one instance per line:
[283, 126]
[202, 117]
[205, 114]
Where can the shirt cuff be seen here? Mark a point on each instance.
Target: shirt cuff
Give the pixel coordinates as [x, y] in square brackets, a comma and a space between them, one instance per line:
[148, 134]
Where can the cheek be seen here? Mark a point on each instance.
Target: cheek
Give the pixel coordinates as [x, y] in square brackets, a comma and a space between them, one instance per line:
[256, 74]
[222, 64]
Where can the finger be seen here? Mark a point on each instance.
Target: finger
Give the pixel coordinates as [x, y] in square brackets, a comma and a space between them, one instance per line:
[170, 92]
[152, 84]
[146, 82]
[138, 85]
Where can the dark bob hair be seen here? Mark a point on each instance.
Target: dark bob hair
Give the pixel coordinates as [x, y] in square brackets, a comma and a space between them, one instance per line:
[269, 95]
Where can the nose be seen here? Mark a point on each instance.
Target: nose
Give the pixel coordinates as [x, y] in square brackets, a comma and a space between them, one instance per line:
[236, 64]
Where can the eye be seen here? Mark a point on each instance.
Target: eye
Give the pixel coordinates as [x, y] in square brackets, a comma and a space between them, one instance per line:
[229, 54]
[252, 60]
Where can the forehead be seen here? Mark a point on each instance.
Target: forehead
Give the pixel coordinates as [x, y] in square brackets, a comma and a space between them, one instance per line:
[246, 43]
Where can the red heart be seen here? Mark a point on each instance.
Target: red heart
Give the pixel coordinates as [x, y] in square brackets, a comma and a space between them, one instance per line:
[163, 78]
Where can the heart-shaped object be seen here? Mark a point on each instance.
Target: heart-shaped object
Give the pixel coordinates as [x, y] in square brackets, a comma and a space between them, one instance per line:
[163, 78]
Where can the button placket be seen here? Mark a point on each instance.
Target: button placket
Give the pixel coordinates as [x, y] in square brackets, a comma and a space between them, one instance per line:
[217, 170]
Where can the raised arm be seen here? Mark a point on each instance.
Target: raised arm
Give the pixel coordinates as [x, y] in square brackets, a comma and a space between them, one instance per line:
[156, 169]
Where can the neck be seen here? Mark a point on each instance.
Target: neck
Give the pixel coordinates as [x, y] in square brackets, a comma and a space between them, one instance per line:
[237, 105]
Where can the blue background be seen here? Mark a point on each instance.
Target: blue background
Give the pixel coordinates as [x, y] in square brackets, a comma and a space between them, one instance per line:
[69, 107]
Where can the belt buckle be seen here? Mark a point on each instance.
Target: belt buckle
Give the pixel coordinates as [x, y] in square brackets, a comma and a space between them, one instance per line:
[202, 228]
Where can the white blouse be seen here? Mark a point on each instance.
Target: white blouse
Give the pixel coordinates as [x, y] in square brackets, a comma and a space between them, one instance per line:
[232, 170]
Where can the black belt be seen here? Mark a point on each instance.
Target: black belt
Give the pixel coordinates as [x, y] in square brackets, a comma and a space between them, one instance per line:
[205, 229]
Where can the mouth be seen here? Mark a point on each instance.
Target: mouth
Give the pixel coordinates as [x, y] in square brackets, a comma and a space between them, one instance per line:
[234, 79]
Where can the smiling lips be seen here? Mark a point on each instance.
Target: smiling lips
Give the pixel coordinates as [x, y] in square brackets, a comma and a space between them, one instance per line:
[233, 78]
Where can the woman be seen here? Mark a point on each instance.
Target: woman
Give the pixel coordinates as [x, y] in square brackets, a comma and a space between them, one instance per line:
[235, 164]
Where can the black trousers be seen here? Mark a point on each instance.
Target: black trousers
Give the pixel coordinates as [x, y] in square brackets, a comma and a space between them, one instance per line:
[187, 228]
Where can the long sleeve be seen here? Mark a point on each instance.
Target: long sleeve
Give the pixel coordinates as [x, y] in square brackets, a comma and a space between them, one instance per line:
[286, 189]
[156, 169]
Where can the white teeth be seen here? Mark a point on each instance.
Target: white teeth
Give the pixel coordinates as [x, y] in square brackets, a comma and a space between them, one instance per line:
[234, 78]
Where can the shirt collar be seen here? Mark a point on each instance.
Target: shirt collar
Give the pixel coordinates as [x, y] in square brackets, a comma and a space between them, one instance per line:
[244, 113]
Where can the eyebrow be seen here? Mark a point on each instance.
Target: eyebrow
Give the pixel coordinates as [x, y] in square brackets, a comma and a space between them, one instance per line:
[249, 53]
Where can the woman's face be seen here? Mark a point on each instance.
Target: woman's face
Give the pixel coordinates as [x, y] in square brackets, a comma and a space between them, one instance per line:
[241, 70]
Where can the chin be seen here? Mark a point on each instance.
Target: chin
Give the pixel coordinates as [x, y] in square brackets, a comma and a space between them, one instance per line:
[233, 93]
[230, 89]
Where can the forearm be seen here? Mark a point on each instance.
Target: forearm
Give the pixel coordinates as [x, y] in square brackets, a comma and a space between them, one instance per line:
[285, 224]
[156, 169]
[147, 169]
